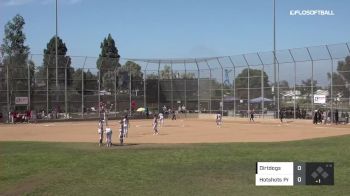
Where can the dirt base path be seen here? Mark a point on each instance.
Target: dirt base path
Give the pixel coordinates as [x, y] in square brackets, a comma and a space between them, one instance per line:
[179, 131]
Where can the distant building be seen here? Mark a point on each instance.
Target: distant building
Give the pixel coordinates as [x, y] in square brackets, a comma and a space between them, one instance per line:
[322, 92]
[290, 95]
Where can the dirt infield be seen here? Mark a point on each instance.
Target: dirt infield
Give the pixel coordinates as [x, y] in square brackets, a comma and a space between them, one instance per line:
[179, 131]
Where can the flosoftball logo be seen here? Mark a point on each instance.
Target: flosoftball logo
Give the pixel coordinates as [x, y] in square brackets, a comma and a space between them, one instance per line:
[311, 13]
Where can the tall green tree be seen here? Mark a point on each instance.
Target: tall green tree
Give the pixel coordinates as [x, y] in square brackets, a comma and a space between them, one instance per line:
[108, 62]
[305, 88]
[343, 69]
[284, 85]
[64, 62]
[241, 82]
[341, 78]
[135, 69]
[15, 57]
[166, 73]
[90, 81]
[136, 75]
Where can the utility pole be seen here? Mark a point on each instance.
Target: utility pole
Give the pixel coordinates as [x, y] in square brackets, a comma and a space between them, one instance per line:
[56, 55]
[274, 55]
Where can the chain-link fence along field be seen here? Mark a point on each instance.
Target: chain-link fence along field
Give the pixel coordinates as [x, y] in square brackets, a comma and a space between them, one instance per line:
[293, 83]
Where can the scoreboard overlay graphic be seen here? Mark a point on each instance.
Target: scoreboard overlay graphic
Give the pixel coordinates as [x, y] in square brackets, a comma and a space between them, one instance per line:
[294, 173]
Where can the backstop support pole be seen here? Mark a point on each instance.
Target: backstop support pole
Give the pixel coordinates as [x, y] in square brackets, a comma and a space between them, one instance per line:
[29, 86]
[222, 88]
[295, 83]
[47, 88]
[248, 101]
[210, 87]
[185, 85]
[99, 92]
[130, 90]
[8, 90]
[332, 65]
[144, 88]
[278, 85]
[234, 86]
[82, 89]
[65, 91]
[158, 86]
[115, 91]
[171, 85]
[198, 101]
[262, 86]
[312, 81]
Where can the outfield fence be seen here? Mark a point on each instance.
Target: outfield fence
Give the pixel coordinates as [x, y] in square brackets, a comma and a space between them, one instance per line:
[294, 81]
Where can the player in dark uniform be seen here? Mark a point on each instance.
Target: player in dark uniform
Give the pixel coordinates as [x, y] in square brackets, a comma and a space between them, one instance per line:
[252, 116]
[121, 132]
[100, 131]
[155, 124]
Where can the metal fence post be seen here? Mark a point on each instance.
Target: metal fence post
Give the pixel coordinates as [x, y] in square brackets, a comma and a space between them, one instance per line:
[99, 91]
[145, 87]
[8, 90]
[130, 90]
[115, 91]
[347, 46]
[262, 86]
[29, 86]
[278, 86]
[144, 90]
[222, 88]
[210, 87]
[312, 80]
[198, 101]
[332, 65]
[158, 86]
[82, 89]
[295, 82]
[65, 91]
[234, 86]
[171, 85]
[185, 84]
[47, 87]
[248, 84]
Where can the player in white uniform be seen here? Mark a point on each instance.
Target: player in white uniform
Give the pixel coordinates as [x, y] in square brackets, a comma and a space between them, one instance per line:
[109, 136]
[126, 125]
[218, 120]
[105, 118]
[161, 119]
[100, 131]
[155, 125]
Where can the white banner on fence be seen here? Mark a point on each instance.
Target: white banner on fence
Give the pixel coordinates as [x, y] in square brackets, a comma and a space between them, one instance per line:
[319, 98]
[21, 100]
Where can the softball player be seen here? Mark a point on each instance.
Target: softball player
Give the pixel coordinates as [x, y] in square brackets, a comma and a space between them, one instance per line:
[100, 131]
[121, 132]
[155, 125]
[252, 112]
[126, 125]
[105, 118]
[218, 120]
[161, 119]
[109, 136]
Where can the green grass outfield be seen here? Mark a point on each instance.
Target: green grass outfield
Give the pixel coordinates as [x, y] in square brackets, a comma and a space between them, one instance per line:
[37, 168]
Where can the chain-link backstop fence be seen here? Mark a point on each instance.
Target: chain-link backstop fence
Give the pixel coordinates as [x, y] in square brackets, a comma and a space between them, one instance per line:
[293, 83]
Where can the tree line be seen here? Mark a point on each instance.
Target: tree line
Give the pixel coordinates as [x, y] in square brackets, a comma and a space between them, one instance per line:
[112, 75]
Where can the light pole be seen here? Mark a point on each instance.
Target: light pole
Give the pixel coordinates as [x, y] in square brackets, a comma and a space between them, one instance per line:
[274, 53]
[56, 49]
